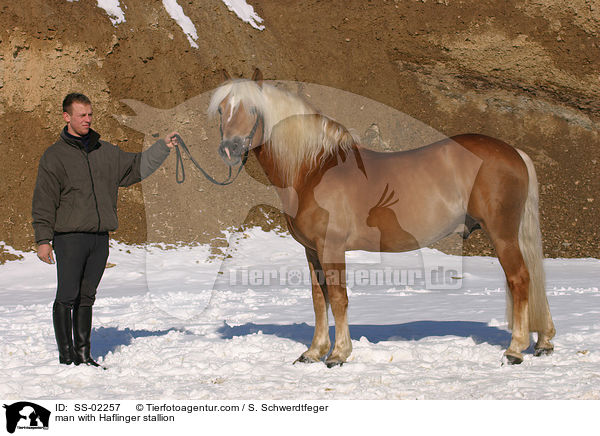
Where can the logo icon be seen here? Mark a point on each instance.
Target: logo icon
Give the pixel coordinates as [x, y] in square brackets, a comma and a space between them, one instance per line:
[25, 415]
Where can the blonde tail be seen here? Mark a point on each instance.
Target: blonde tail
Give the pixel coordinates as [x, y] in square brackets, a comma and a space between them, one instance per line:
[530, 243]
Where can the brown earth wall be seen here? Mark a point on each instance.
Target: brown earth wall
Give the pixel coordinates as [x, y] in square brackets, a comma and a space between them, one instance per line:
[526, 72]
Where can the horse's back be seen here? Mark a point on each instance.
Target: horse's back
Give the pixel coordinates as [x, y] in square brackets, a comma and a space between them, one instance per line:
[489, 148]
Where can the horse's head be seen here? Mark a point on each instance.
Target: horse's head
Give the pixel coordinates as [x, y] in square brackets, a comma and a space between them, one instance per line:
[239, 106]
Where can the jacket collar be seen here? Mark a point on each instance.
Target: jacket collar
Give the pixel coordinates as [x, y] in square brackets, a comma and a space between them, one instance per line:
[73, 141]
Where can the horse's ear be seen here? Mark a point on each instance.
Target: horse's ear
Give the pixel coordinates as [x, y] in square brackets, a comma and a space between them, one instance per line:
[258, 77]
[225, 75]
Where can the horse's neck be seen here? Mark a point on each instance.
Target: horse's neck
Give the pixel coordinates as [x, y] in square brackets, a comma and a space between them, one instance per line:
[281, 105]
[288, 194]
[266, 161]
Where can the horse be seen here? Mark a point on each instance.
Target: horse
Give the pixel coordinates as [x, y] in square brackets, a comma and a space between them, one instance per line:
[339, 196]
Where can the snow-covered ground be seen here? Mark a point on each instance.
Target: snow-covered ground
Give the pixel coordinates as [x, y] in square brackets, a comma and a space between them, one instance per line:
[168, 325]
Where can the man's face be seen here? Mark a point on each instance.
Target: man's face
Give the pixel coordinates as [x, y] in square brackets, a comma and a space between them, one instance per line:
[79, 120]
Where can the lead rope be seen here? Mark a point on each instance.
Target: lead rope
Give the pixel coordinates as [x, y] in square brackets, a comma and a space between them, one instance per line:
[180, 169]
[179, 164]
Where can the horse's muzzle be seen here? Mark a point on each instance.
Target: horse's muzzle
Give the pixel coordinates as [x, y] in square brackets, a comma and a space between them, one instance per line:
[232, 150]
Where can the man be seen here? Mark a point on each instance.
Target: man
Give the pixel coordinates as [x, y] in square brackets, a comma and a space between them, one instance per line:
[74, 207]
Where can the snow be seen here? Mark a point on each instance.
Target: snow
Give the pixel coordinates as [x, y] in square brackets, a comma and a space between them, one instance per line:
[168, 325]
[113, 9]
[241, 8]
[245, 12]
[186, 24]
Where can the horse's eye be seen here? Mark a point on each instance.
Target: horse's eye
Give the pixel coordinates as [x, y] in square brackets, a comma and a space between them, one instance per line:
[220, 112]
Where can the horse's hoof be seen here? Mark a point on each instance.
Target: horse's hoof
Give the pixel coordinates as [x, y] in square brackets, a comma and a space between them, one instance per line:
[304, 359]
[333, 363]
[543, 352]
[513, 360]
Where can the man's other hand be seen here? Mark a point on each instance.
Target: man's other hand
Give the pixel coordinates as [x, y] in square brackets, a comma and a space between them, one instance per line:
[45, 253]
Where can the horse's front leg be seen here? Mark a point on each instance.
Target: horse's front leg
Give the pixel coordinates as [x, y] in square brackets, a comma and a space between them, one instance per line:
[320, 344]
[335, 279]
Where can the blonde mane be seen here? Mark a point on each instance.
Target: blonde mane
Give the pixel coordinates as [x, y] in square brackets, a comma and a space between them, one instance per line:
[307, 141]
[295, 133]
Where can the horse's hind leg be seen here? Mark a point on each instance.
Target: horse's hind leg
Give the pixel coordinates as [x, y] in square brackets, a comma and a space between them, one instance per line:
[320, 344]
[517, 278]
[543, 345]
[545, 333]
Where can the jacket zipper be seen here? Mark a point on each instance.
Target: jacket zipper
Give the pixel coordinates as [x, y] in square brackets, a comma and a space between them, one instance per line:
[87, 158]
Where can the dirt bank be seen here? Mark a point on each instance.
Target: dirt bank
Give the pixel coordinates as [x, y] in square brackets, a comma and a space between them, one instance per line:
[525, 72]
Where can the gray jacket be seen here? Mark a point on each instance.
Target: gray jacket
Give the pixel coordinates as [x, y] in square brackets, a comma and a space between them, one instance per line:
[76, 190]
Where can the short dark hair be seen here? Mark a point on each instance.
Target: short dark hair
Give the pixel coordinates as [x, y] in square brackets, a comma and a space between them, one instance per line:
[72, 98]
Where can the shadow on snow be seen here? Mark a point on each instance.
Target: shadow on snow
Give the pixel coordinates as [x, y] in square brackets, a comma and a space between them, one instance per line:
[106, 340]
[411, 331]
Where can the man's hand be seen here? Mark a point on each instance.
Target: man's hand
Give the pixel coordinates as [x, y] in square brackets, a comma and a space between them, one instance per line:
[171, 139]
[45, 253]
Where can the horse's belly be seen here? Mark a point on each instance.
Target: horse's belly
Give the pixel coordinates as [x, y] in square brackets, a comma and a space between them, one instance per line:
[373, 240]
[392, 236]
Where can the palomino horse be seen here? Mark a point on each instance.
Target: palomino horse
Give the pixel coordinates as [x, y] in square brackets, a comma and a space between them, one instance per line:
[338, 196]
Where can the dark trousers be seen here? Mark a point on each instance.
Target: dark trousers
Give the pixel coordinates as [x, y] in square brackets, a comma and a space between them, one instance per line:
[80, 262]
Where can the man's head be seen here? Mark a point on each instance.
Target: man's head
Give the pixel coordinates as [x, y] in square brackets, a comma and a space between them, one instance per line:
[77, 113]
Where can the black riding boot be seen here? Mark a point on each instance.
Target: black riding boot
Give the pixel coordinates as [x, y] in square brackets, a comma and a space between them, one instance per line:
[63, 325]
[82, 329]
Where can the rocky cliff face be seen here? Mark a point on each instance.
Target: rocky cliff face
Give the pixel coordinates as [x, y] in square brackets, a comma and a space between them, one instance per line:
[523, 71]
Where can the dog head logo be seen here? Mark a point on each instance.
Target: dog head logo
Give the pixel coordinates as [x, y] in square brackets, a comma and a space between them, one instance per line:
[26, 415]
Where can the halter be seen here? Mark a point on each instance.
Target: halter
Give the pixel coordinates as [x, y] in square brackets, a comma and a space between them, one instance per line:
[250, 137]
[179, 165]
